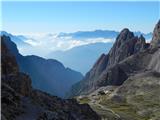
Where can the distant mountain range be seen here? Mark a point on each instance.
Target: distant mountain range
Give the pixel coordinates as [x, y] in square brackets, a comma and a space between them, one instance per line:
[48, 75]
[108, 34]
[83, 47]
[91, 34]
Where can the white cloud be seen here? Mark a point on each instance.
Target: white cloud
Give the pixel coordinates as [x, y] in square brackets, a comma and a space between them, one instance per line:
[44, 44]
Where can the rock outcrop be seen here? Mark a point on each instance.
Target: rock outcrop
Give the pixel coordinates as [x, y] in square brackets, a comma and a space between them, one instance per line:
[128, 56]
[156, 35]
[21, 102]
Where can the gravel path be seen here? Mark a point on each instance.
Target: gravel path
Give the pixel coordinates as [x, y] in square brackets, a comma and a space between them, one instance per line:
[95, 103]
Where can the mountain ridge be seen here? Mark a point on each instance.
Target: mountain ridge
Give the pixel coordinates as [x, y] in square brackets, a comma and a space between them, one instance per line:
[99, 34]
[47, 71]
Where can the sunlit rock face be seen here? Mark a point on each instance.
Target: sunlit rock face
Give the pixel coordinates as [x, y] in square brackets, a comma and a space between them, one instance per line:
[156, 35]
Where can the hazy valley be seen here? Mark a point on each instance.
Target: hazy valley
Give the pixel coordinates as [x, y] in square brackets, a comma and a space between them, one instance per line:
[80, 60]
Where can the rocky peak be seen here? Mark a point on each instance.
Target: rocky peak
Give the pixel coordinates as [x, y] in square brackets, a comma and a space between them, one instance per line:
[126, 45]
[156, 35]
[106, 70]
[124, 35]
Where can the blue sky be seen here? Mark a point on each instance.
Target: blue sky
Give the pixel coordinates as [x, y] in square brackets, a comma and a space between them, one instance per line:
[54, 17]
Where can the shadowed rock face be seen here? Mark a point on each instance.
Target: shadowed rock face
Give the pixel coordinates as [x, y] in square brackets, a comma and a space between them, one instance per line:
[21, 102]
[13, 84]
[20, 82]
[128, 55]
[9, 63]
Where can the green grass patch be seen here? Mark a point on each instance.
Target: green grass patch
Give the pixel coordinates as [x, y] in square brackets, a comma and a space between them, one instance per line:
[84, 100]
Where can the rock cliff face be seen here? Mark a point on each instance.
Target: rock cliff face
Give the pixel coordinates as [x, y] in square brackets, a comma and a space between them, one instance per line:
[21, 102]
[156, 35]
[20, 82]
[126, 45]
[13, 84]
[128, 55]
